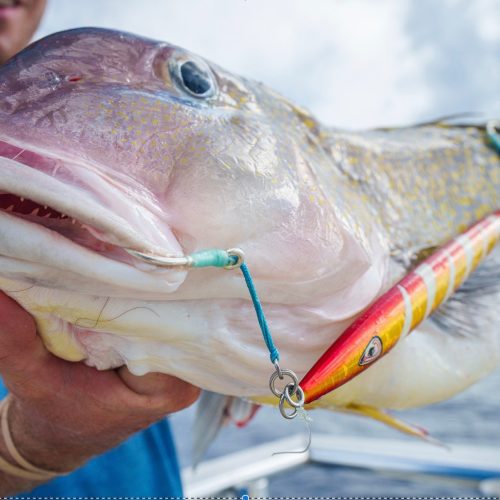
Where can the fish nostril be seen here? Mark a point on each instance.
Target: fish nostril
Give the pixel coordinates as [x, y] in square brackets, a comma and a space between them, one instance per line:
[49, 79]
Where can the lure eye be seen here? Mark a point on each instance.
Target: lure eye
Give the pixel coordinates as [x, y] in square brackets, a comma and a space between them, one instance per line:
[194, 78]
[372, 351]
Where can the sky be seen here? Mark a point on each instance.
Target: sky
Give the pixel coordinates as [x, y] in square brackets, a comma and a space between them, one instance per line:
[353, 63]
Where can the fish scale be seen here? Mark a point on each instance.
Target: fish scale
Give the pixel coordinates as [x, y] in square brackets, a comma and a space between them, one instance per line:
[423, 184]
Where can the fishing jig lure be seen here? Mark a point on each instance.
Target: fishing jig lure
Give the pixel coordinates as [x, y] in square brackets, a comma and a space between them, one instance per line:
[401, 309]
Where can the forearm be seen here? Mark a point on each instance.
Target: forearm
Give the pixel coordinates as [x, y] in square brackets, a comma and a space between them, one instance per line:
[42, 444]
[11, 484]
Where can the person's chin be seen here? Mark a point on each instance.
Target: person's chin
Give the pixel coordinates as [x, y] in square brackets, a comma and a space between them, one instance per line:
[4, 49]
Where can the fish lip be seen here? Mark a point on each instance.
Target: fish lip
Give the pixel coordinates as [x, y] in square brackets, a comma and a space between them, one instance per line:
[25, 180]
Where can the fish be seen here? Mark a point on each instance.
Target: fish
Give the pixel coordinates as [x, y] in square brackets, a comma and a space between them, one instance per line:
[113, 145]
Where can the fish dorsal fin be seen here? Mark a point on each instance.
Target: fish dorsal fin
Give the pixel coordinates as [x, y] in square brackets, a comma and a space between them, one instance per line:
[462, 119]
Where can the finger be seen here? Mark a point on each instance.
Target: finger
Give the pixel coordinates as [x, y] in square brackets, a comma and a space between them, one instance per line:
[19, 342]
[15, 318]
[165, 391]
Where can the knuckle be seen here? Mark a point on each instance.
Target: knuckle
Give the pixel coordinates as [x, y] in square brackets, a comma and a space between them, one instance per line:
[190, 394]
[179, 395]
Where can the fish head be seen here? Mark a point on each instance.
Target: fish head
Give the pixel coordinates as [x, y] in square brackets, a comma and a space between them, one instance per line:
[207, 157]
[111, 142]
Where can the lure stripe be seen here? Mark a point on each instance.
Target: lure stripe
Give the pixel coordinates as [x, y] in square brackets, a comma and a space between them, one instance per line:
[462, 269]
[403, 307]
[466, 246]
[427, 274]
[451, 279]
[486, 244]
[408, 312]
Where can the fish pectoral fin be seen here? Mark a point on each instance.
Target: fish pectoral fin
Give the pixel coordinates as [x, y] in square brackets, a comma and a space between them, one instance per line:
[213, 411]
[240, 411]
[463, 314]
[207, 423]
[391, 421]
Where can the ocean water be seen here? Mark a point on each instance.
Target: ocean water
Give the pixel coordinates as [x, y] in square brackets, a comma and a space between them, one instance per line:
[472, 417]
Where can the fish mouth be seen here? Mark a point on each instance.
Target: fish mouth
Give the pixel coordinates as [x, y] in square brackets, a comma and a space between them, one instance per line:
[55, 201]
[63, 224]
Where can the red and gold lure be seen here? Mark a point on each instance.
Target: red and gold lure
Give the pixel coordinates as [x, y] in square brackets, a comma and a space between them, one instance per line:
[396, 313]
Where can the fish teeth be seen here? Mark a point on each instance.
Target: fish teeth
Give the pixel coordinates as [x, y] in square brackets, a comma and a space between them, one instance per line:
[10, 208]
[73, 221]
[35, 211]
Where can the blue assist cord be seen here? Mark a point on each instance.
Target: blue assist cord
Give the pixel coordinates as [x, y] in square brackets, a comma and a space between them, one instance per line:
[291, 396]
[273, 351]
[214, 257]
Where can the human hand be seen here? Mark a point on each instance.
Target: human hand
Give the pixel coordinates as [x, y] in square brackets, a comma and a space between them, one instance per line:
[62, 413]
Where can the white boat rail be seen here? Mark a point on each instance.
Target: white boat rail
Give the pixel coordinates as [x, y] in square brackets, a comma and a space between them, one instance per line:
[249, 468]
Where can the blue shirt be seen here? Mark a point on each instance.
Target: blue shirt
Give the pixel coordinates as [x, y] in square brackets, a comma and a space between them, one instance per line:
[144, 465]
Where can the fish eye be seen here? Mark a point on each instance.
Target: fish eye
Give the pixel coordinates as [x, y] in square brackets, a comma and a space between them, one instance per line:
[372, 351]
[194, 78]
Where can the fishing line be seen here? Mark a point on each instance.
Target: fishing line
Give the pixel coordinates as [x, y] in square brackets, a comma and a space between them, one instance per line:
[90, 319]
[19, 291]
[307, 419]
[99, 320]
[152, 311]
